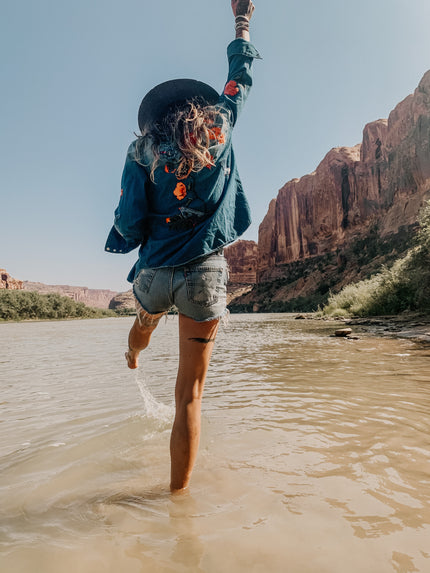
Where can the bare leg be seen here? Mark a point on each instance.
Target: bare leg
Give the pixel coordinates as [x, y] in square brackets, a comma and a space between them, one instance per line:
[196, 340]
[140, 335]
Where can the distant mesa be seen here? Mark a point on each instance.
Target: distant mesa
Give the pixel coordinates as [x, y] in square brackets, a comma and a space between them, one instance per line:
[122, 302]
[97, 298]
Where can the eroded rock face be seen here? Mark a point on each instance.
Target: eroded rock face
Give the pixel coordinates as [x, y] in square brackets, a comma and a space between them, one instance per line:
[7, 282]
[383, 180]
[242, 261]
[124, 301]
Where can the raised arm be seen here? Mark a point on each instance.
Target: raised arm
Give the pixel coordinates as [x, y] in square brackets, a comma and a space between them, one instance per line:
[242, 10]
[241, 54]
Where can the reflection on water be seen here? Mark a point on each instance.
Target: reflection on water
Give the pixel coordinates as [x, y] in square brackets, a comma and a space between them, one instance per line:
[315, 452]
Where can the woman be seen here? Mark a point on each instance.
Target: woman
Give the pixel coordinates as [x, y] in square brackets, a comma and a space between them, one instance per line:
[181, 202]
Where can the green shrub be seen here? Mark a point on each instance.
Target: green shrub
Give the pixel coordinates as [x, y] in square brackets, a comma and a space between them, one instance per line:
[27, 305]
[404, 286]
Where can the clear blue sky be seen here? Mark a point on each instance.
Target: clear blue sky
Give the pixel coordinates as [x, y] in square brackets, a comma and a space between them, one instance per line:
[73, 74]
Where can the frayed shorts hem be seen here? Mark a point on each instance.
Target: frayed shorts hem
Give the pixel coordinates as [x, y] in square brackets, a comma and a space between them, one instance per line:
[223, 317]
[141, 312]
[146, 318]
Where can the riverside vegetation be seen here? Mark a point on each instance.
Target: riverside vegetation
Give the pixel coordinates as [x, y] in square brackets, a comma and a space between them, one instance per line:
[405, 286]
[28, 305]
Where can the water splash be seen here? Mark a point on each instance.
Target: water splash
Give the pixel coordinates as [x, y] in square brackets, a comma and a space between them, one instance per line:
[152, 408]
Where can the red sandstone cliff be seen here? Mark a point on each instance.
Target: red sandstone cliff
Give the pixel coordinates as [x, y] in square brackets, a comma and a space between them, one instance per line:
[7, 282]
[384, 179]
[242, 261]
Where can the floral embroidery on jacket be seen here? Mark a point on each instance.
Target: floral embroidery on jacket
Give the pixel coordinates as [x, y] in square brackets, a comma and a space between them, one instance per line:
[231, 88]
[180, 191]
[217, 134]
[169, 168]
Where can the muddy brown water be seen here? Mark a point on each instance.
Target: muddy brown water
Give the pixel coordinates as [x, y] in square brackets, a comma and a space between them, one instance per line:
[315, 452]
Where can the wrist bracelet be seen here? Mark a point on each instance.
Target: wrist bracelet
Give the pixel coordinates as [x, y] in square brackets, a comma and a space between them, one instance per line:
[242, 26]
[242, 17]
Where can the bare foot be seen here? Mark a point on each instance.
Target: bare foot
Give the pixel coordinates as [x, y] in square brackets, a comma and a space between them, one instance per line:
[181, 491]
[132, 358]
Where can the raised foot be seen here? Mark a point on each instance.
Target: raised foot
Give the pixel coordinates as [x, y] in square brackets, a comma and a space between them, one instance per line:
[132, 359]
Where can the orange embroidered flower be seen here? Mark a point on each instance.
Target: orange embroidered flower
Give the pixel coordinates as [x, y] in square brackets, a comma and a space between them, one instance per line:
[216, 133]
[169, 168]
[122, 192]
[167, 219]
[231, 88]
[180, 191]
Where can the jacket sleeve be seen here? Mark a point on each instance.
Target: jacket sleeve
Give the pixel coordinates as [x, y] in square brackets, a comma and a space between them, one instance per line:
[128, 231]
[241, 55]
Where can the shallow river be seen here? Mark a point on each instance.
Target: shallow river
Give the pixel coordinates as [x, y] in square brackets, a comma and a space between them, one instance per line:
[314, 458]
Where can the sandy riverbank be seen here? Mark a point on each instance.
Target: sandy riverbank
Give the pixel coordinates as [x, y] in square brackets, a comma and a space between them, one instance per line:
[412, 326]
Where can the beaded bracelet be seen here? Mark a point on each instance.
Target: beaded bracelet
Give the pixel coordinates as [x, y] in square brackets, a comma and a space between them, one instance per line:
[242, 26]
[241, 23]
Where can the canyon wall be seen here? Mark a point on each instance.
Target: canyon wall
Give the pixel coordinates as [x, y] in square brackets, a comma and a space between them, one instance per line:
[383, 181]
[242, 261]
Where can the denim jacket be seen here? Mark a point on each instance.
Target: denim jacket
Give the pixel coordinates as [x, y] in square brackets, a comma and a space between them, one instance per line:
[176, 221]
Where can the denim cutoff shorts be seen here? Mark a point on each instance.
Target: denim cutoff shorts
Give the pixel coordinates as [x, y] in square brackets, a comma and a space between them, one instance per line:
[198, 289]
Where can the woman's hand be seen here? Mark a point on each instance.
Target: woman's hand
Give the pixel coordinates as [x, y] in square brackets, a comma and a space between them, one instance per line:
[242, 8]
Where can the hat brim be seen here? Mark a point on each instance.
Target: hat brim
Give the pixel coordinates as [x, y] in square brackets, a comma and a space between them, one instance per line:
[160, 99]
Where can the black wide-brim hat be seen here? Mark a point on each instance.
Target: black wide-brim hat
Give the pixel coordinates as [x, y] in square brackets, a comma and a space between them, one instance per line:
[167, 95]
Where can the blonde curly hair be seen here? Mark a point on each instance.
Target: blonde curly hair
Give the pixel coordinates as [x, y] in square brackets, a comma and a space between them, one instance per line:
[191, 130]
